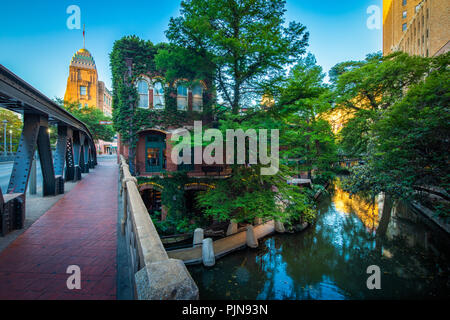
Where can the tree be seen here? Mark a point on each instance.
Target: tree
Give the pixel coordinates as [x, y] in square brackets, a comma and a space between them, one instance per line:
[365, 89]
[91, 117]
[14, 124]
[245, 39]
[409, 143]
[301, 98]
[406, 138]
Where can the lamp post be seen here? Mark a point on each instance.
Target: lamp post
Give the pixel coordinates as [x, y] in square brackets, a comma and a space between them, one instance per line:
[10, 141]
[5, 151]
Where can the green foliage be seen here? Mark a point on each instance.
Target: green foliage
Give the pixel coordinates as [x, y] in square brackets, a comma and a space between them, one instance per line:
[14, 124]
[365, 89]
[246, 40]
[247, 194]
[173, 225]
[244, 47]
[407, 141]
[162, 60]
[303, 98]
[173, 194]
[91, 117]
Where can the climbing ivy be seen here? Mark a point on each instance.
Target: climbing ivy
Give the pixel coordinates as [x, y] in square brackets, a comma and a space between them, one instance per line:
[172, 187]
[151, 60]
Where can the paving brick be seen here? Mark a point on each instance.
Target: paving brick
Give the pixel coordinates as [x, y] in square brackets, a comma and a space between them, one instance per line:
[80, 229]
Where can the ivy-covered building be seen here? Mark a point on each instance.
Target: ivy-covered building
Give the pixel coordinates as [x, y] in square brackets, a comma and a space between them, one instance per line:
[155, 94]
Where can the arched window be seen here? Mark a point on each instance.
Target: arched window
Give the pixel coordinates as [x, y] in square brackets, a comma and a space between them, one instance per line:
[182, 97]
[158, 96]
[143, 94]
[197, 98]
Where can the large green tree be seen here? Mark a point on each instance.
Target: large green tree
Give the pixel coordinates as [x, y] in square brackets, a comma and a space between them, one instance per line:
[408, 144]
[303, 136]
[365, 89]
[404, 133]
[91, 116]
[246, 40]
[303, 99]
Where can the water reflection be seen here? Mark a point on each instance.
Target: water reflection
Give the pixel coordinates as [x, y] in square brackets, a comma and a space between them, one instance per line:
[330, 259]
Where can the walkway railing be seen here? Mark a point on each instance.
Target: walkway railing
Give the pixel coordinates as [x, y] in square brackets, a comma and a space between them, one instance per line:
[156, 277]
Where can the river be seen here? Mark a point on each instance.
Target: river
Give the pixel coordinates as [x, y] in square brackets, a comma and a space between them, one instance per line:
[329, 260]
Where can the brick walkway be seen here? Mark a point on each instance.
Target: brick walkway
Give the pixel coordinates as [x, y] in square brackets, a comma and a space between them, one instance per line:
[80, 229]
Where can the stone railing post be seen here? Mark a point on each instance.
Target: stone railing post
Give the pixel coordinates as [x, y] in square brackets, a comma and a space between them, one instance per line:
[208, 256]
[232, 228]
[252, 241]
[198, 237]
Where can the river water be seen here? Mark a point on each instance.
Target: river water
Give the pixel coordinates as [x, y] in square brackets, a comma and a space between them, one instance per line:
[329, 260]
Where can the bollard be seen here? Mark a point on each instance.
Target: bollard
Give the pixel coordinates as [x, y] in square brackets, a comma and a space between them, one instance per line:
[198, 237]
[279, 227]
[208, 257]
[258, 221]
[252, 241]
[232, 228]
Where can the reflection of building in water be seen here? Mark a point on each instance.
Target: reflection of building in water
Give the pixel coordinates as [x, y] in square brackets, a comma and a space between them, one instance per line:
[404, 224]
[366, 211]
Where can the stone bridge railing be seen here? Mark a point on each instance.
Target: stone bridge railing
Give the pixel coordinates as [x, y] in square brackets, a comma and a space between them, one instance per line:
[156, 277]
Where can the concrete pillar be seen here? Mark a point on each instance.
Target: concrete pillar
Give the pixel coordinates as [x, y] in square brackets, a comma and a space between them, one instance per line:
[232, 228]
[279, 227]
[208, 257]
[198, 237]
[252, 241]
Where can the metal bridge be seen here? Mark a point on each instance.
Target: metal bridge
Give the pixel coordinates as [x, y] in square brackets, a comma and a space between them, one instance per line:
[75, 149]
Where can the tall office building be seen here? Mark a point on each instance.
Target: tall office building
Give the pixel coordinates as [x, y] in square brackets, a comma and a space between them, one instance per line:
[417, 27]
[83, 85]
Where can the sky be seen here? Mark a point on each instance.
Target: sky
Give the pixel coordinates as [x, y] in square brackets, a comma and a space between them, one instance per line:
[37, 45]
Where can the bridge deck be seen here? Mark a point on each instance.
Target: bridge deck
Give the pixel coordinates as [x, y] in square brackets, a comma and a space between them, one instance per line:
[222, 246]
[80, 229]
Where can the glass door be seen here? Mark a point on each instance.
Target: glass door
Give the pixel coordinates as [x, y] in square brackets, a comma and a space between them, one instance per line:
[155, 153]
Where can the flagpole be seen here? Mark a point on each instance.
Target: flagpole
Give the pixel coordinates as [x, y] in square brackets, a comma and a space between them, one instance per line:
[84, 36]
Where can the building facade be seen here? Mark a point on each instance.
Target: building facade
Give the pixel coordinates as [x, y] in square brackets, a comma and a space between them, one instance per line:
[84, 87]
[104, 97]
[153, 147]
[160, 106]
[417, 27]
[82, 84]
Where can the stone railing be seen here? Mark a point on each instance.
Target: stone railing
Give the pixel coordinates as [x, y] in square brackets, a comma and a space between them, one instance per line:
[156, 277]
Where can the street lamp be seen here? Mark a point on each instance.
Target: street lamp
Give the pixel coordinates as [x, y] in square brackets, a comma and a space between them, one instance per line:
[10, 141]
[5, 123]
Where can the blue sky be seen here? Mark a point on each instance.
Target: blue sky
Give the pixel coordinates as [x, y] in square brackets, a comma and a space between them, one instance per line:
[36, 44]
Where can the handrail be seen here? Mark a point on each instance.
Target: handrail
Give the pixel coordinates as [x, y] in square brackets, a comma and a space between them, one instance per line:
[156, 276]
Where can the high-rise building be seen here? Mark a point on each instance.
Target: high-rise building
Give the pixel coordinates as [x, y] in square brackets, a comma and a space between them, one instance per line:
[417, 27]
[83, 85]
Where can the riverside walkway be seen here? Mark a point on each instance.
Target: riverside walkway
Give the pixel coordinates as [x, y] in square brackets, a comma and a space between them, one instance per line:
[222, 246]
[80, 229]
